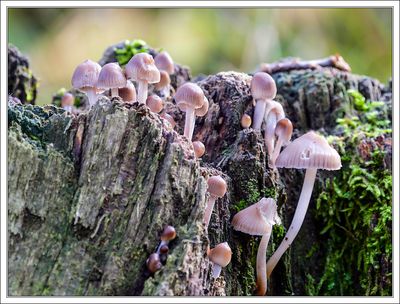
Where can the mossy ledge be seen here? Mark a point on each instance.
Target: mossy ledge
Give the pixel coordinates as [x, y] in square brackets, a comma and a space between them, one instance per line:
[90, 194]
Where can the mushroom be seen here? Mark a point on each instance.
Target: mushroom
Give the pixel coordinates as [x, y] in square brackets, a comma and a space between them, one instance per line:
[111, 77]
[189, 98]
[258, 219]
[153, 262]
[221, 256]
[141, 68]
[273, 113]
[163, 85]
[199, 148]
[167, 235]
[311, 152]
[263, 89]
[128, 93]
[164, 249]
[283, 131]
[155, 103]
[216, 188]
[168, 118]
[85, 79]
[164, 62]
[245, 121]
[67, 101]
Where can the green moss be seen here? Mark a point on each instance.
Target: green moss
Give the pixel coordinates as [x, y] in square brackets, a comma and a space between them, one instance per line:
[130, 49]
[355, 209]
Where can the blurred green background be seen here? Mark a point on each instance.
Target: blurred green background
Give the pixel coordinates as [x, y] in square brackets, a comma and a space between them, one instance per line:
[207, 40]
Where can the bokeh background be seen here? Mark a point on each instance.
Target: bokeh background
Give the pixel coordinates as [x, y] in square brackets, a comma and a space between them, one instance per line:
[207, 40]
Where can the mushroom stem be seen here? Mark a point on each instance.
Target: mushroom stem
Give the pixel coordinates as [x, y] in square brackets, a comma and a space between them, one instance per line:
[277, 150]
[209, 209]
[92, 96]
[216, 271]
[261, 265]
[165, 91]
[67, 108]
[269, 132]
[258, 116]
[142, 91]
[298, 219]
[114, 92]
[189, 121]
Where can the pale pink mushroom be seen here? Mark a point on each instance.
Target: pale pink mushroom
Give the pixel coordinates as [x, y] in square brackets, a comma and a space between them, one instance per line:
[283, 131]
[221, 256]
[216, 188]
[273, 113]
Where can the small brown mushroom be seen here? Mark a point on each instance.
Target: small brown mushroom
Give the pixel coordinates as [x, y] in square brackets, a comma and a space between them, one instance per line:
[153, 262]
[216, 188]
[167, 235]
[245, 121]
[164, 85]
[199, 148]
[155, 103]
[128, 93]
[67, 102]
[283, 131]
[221, 256]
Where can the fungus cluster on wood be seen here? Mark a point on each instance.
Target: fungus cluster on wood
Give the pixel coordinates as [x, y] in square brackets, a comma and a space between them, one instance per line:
[156, 259]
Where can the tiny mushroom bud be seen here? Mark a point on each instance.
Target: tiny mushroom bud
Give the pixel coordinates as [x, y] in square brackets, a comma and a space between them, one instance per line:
[263, 89]
[221, 256]
[128, 93]
[311, 152]
[153, 263]
[168, 118]
[245, 121]
[216, 188]
[199, 148]
[154, 103]
[164, 62]
[273, 113]
[167, 235]
[283, 131]
[141, 68]
[111, 77]
[164, 249]
[258, 219]
[164, 85]
[67, 101]
[85, 79]
[189, 98]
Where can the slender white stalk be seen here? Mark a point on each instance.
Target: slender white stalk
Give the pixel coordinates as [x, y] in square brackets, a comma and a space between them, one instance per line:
[209, 209]
[269, 132]
[142, 91]
[114, 92]
[297, 221]
[92, 97]
[189, 121]
[165, 91]
[193, 124]
[216, 271]
[161, 244]
[258, 115]
[261, 265]
[277, 150]
[67, 108]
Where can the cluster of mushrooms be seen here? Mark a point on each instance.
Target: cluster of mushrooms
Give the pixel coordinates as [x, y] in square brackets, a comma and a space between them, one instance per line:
[310, 151]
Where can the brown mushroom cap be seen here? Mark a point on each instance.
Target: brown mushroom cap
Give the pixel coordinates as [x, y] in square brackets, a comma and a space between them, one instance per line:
[204, 108]
[199, 148]
[168, 234]
[189, 95]
[128, 93]
[67, 100]
[258, 218]
[309, 151]
[164, 249]
[245, 121]
[164, 62]
[141, 67]
[284, 129]
[155, 103]
[263, 86]
[221, 254]
[111, 76]
[85, 75]
[165, 80]
[153, 262]
[217, 186]
[168, 118]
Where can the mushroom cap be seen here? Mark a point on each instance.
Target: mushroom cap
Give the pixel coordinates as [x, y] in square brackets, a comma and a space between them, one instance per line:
[153, 262]
[309, 151]
[165, 80]
[189, 95]
[111, 76]
[258, 218]
[155, 103]
[199, 148]
[245, 121]
[168, 234]
[284, 129]
[85, 75]
[221, 254]
[204, 108]
[164, 62]
[169, 118]
[128, 93]
[275, 107]
[263, 86]
[67, 100]
[217, 186]
[141, 67]
[164, 249]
